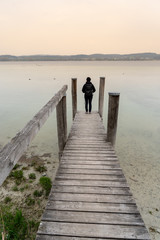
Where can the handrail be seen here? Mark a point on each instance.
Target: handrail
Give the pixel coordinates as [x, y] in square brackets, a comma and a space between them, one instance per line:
[12, 151]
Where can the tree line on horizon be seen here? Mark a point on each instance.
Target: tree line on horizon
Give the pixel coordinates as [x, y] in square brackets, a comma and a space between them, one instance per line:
[84, 57]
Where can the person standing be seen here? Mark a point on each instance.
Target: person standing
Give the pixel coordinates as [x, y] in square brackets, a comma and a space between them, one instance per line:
[88, 90]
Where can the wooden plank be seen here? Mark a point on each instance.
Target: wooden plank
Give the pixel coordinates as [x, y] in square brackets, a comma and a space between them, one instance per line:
[91, 183]
[90, 147]
[92, 207]
[91, 190]
[75, 197]
[113, 166]
[93, 230]
[88, 151]
[101, 96]
[92, 158]
[90, 177]
[46, 237]
[90, 154]
[61, 124]
[92, 217]
[90, 162]
[49, 237]
[90, 171]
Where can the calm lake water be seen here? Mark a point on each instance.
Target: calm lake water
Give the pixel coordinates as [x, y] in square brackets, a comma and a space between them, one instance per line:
[138, 136]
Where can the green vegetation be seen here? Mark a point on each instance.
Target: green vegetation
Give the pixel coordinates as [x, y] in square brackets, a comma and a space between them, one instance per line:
[46, 183]
[32, 176]
[15, 189]
[18, 174]
[16, 166]
[7, 200]
[30, 201]
[41, 169]
[15, 226]
[38, 193]
[24, 188]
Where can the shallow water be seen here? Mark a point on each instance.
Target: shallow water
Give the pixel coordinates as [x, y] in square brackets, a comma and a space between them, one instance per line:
[27, 86]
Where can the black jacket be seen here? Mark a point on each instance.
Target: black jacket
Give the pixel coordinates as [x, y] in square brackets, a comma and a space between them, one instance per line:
[88, 89]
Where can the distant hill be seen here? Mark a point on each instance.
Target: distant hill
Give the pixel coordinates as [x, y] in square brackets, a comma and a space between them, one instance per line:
[83, 57]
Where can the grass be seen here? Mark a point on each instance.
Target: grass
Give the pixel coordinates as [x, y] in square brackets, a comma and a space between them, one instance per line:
[46, 184]
[32, 176]
[7, 200]
[41, 169]
[38, 193]
[18, 174]
[30, 201]
[15, 226]
[15, 189]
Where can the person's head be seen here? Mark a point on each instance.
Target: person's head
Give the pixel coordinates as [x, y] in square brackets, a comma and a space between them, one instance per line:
[88, 79]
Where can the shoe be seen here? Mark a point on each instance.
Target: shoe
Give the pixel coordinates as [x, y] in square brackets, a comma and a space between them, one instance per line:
[86, 112]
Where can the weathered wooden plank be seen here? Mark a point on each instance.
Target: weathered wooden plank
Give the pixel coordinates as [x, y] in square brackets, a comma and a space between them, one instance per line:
[91, 177]
[91, 190]
[92, 217]
[87, 151]
[93, 230]
[113, 166]
[61, 113]
[91, 183]
[75, 197]
[49, 237]
[84, 162]
[74, 97]
[101, 96]
[92, 207]
[90, 171]
[88, 147]
[100, 154]
[92, 158]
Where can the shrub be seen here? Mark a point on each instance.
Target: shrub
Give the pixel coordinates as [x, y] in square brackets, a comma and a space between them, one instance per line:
[15, 189]
[30, 201]
[7, 200]
[38, 193]
[32, 176]
[18, 174]
[46, 183]
[41, 169]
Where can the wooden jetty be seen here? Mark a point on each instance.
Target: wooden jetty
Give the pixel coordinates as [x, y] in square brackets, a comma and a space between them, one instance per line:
[90, 198]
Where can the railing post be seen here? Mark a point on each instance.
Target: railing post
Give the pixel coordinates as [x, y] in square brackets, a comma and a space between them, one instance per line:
[112, 117]
[74, 96]
[101, 95]
[61, 124]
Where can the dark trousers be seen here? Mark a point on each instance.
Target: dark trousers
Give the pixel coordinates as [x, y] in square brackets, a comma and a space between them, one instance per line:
[88, 101]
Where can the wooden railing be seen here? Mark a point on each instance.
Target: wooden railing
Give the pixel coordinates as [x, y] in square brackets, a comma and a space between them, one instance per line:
[12, 151]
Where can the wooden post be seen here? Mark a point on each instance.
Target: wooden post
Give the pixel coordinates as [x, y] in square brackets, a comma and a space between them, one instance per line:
[112, 117]
[101, 96]
[61, 124]
[74, 96]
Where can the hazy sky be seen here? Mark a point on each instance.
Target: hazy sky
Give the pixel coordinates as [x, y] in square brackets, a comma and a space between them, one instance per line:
[79, 26]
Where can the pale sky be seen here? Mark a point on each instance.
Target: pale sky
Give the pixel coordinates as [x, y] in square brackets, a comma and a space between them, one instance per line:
[79, 26]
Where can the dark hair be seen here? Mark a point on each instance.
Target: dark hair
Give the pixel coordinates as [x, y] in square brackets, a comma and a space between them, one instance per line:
[88, 79]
